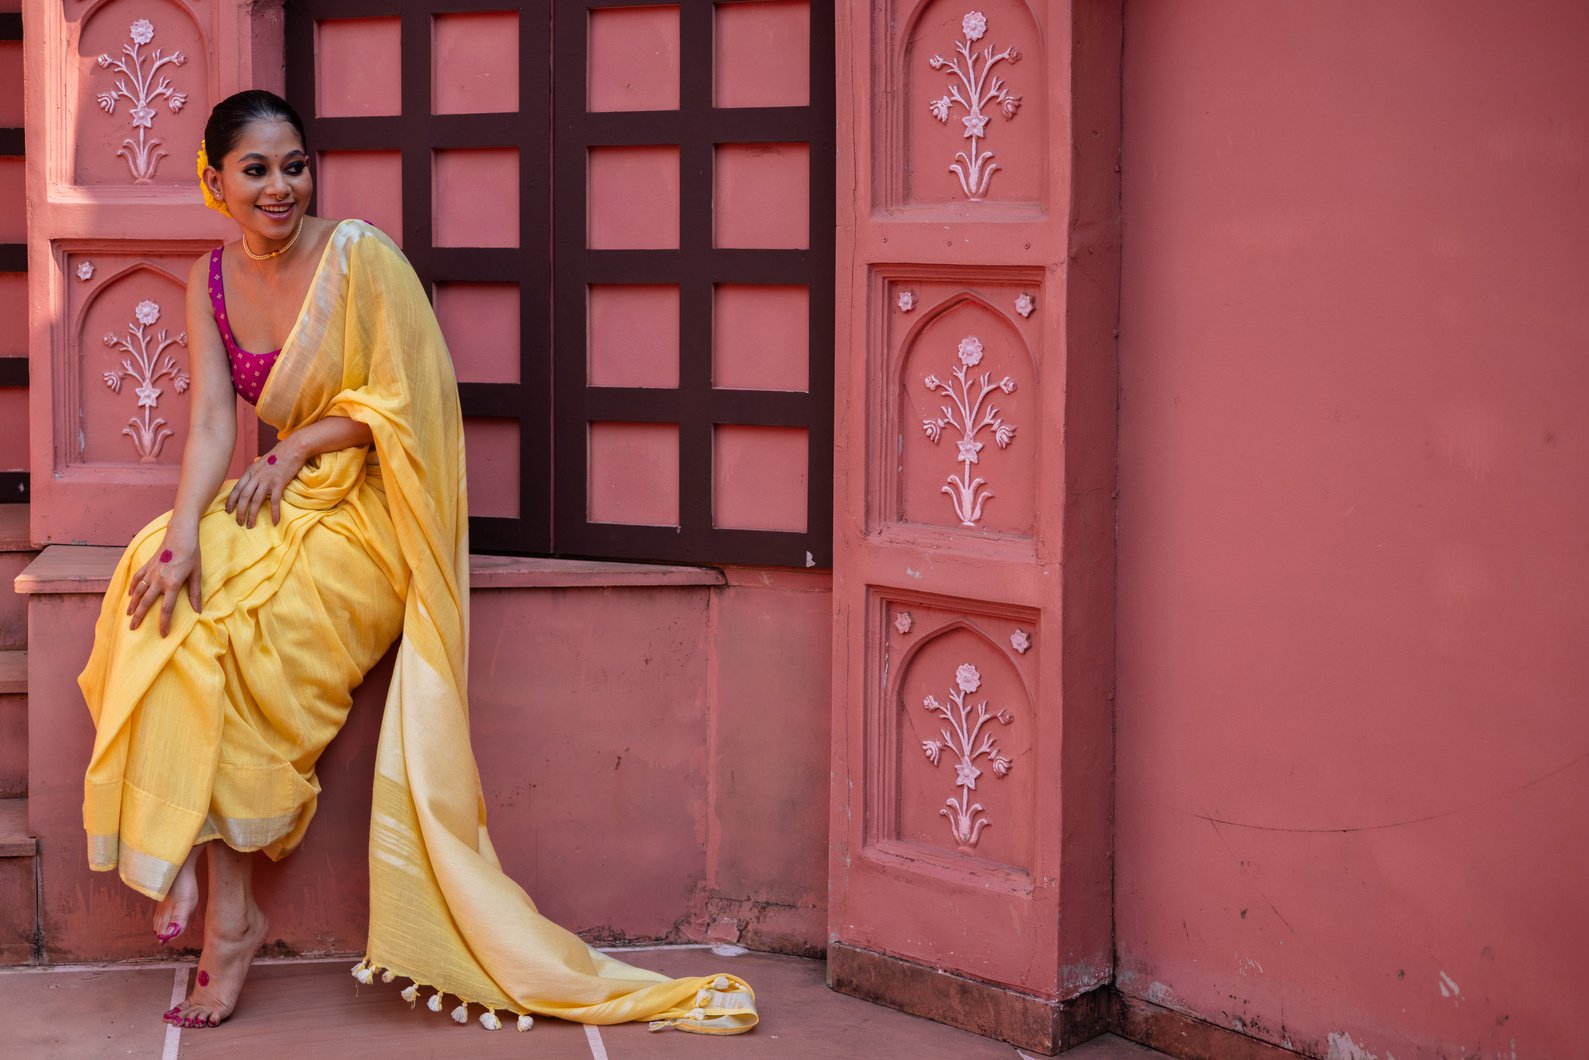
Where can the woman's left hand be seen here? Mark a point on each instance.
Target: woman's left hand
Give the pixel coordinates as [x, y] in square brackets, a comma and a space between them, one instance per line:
[266, 478]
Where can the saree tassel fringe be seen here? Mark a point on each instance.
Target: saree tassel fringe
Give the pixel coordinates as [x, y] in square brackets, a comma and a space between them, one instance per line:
[720, 1007]
[366, 971]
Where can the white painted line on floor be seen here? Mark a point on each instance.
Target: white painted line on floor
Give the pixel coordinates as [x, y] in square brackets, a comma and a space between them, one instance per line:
[183, 962]
[598, 1051]
[179, 990]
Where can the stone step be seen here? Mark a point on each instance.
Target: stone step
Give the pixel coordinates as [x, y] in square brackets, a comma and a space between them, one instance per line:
[15, 839]
[19, 891]
[16, 552]
[13, 724]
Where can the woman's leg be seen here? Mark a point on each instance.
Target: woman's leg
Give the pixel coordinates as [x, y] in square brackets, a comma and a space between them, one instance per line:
[174, 913]
[234, 929]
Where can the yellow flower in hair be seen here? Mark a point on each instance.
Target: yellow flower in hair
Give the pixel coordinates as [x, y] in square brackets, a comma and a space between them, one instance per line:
[209, 199]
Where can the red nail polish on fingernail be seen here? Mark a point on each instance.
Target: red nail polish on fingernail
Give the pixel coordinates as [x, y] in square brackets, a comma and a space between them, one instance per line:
[165, 557]
[271, 459]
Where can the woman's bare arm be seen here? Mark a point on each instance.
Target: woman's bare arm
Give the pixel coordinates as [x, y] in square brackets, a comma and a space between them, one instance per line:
[212, 434]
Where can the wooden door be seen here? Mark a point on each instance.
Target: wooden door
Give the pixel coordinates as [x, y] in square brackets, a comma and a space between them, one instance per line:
[973, 570]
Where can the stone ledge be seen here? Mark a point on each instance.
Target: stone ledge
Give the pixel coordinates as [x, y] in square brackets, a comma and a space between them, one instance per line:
[13, 672]
[63, 569]
[15, 840]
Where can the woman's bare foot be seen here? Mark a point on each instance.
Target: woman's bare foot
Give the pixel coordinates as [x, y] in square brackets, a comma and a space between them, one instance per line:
[234, 929]
[175, 911]
[223, 968]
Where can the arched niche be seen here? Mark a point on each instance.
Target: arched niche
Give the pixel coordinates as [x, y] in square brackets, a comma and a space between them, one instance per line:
[130, 370]
[142, 93]
[965, 396]
[958, 680]
[928, 127]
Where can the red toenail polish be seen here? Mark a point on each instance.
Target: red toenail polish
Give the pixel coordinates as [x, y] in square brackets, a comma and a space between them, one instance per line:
[204, 977]
[165, 557]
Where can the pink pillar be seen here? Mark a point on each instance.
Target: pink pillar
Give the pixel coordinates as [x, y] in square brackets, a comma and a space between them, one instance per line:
[974, 554]
[117, 95]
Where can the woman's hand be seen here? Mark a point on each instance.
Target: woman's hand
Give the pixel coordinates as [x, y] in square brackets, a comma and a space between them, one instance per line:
[266, 478]
[163, 578]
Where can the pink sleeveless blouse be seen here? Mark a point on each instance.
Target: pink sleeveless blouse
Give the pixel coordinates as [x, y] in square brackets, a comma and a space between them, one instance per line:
[249, 370]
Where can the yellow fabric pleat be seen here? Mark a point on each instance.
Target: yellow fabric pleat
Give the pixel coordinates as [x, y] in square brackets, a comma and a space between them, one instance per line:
[214, 730]
[442, 912]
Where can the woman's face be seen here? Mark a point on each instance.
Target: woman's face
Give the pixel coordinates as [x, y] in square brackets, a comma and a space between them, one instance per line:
[264, 181]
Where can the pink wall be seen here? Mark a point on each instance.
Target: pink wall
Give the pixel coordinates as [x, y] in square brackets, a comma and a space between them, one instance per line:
[1352, 769]
[653, 745]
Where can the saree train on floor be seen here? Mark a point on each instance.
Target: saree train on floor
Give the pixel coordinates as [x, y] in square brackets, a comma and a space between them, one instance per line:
[262, 679]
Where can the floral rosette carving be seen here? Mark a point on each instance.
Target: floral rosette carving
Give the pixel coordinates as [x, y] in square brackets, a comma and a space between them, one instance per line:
[140, 86]
[145, 364]
[975, 89]
[965, 738]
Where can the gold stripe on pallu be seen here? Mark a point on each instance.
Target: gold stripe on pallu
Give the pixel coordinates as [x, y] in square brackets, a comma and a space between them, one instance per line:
[146, 872]
[102, 850]
[246, 833]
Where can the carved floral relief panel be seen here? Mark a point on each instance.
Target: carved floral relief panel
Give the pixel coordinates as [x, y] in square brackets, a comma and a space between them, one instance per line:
[953, 730]
[969, 117]
[123, 373]
[961, 409]
[140, 75]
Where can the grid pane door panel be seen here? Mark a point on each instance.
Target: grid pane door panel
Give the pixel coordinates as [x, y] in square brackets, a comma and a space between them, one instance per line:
[13, 270]
[645, 220]
[429, 118]
[694, 222]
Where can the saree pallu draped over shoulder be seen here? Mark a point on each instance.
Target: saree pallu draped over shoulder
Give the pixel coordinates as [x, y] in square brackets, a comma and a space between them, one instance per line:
[262, 699]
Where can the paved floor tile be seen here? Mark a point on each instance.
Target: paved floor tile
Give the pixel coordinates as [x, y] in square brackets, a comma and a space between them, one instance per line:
[307, 1010]
[1111, 1048]
[800, 1018]
[84, 1014]
[299, 1010]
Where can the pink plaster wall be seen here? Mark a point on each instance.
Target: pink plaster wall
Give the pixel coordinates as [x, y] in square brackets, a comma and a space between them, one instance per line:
[10, 83]
[1351, 736]
[13, 428]
[13, 212]
[653, 757]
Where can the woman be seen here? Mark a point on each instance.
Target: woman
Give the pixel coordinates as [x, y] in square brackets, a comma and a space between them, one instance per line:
[256, 607]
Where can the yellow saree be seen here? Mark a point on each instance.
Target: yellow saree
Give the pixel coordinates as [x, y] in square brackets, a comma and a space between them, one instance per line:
[442, 913]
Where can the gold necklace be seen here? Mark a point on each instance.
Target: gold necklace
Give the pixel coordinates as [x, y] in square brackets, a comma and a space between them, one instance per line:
[279, 251]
